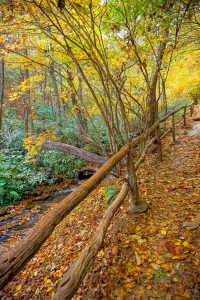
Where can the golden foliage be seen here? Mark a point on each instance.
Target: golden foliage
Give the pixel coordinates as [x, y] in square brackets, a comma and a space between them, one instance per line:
[33, 144]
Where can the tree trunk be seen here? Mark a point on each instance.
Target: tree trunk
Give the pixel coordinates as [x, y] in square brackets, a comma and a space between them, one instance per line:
[137, 205]
[90, 157]
[28, 105]
[152, 104]
[82, 122]
[132, 179]
[57, 98]
[44, 85]
[163, 97]
[2, 86]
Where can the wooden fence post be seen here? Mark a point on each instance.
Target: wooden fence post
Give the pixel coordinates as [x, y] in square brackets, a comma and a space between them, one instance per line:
[191, 109]
[159, 147]
[132, 178]
[173, 129]
[137, 205]
[184, 117]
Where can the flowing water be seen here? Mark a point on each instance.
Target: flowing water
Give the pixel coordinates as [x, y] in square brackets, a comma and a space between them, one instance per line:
[17, 225]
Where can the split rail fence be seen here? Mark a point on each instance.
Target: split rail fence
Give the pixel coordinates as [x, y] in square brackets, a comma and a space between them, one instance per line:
[14, 260]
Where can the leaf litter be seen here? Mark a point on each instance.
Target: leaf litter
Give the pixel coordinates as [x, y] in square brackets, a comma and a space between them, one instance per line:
[144, 256]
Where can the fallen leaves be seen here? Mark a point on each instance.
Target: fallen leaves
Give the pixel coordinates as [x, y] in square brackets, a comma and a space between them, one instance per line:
[148, 256]
[163, 231]
[119, 292]
[171, 248]
[101, 254]
[138, 259]
[179, 257]
[47, 280]
[185, 244]
[18, 287]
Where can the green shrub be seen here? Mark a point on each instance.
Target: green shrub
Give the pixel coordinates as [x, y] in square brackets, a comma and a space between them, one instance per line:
[59, 163]
[110, 194]
[19, 176]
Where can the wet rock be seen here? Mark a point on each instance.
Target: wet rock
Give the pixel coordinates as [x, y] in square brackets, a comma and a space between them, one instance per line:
[85, 174]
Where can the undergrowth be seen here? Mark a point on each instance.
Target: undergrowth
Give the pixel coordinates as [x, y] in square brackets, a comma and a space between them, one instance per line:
[19, 175]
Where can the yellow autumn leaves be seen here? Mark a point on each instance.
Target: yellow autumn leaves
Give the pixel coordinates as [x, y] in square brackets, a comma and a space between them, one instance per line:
[34, 144]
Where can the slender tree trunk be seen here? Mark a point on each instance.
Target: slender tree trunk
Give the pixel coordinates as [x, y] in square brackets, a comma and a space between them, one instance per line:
[44, 86]
[132, 179]
[75, 96]
[2, 86]
[28, 101]
[164, 98]
[152, 104]
[57, 98]
[61, 86]
[25, 112]
[49, 97]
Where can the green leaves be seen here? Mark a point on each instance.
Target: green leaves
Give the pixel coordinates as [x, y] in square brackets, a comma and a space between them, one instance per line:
[159, 276]
[19, 176]
[110, 194]
[60, 163]
[110, 191]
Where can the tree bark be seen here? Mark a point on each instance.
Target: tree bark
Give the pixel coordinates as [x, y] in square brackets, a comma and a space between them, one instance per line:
[132, 179]
[75, 96]
[152, 105]
[90, 157]
[164, 98]
[2, 86]
[196, 112]
[29, 125]
[56, 94]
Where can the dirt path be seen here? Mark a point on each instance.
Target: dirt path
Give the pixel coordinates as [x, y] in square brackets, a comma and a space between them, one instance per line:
[145, 256]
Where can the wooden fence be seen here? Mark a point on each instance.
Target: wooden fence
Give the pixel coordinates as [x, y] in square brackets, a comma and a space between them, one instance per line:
[13, 261]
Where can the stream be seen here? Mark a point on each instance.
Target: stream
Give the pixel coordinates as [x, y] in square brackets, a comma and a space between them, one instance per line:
[13, 225]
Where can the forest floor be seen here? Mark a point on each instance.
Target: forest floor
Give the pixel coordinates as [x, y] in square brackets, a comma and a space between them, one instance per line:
[144, 256]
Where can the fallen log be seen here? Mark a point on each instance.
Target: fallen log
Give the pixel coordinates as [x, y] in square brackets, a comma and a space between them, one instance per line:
[88, 156]
[72, 279]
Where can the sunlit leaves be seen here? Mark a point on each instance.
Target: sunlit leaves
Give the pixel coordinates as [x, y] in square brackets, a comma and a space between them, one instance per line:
[34, 144]
[184, 77]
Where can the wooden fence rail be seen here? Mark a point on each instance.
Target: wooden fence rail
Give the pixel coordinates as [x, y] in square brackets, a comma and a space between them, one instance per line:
[14, 260]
